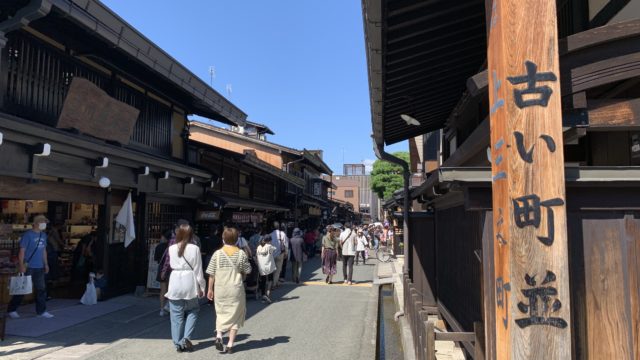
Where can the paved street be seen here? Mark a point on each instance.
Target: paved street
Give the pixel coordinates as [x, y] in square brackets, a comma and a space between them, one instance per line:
[313, 321]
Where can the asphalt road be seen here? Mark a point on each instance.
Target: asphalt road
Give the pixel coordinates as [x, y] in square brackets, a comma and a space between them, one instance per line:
[307, 321]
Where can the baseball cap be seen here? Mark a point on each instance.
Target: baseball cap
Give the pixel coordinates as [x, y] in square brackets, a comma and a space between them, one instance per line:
[40, 219]
[182, 222]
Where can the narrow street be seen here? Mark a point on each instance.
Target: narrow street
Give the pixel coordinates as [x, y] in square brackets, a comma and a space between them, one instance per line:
[303, 322]
[310, 321]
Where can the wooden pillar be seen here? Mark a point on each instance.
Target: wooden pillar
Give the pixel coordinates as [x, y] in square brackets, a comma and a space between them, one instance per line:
[104, 223]
[532, 318]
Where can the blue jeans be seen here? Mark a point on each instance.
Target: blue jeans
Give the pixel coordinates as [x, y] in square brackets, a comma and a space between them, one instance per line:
[182, 329]
[39, 286]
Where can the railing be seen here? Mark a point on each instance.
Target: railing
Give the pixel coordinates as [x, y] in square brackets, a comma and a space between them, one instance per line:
[422, 322]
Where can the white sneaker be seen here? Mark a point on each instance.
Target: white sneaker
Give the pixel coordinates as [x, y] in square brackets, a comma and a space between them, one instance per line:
[46, 315]
[14, 315]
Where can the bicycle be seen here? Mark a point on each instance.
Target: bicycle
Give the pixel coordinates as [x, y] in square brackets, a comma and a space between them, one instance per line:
[383, 253]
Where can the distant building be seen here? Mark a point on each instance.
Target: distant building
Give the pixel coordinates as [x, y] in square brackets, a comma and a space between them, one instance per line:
[347, 190]
[369, 203]
[254, 130]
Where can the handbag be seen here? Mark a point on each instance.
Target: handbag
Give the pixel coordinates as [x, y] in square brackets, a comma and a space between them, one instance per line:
[20, 285]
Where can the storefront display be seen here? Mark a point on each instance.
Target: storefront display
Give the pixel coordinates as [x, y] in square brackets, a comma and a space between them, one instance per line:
[72, 220]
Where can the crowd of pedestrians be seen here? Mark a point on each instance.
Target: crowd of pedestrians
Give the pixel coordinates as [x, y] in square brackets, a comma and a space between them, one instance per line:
[242, 259]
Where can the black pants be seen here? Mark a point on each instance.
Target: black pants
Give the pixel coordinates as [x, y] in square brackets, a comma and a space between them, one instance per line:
[262, 283]
[361, 254]
[347, 264]
[284, 268]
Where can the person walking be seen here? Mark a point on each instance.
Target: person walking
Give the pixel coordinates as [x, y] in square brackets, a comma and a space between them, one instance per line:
[329, 255]
[348, 242]
[186, 285]
[160, 256]
[310, 242]
[280, 240]
[254, 240]
[297, 242]
[361, 246]
[32, 260]
[266, 267]
[226, 270]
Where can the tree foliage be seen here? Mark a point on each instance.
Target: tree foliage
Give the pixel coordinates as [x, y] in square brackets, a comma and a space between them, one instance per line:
[386, 177]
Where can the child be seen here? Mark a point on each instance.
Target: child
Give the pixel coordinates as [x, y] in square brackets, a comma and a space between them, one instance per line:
[100, 283]
[266, 266]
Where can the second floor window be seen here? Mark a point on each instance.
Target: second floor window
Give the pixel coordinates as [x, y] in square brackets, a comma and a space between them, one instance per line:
[348, 194]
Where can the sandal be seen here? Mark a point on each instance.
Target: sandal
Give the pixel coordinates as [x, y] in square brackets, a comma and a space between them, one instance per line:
[227, 350]
[218, 344]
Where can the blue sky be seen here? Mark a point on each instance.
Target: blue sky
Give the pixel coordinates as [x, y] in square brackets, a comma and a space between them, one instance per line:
[298, 66]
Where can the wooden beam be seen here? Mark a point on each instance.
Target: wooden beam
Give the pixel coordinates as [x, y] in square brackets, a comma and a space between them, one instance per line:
[530, 236]
[615, 114]
[431, 340]
[455, 325]
[456, 336]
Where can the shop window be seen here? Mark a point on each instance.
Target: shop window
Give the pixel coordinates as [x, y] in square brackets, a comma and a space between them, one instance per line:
[162, 217]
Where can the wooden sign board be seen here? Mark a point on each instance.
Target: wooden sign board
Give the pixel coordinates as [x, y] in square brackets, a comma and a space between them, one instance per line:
[90, 110]
[532, 299]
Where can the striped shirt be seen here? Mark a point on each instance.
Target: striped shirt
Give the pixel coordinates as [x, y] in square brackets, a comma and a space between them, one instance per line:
[240, 258]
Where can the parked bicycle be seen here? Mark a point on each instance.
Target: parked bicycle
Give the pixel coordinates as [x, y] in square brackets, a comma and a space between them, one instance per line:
[383, 253]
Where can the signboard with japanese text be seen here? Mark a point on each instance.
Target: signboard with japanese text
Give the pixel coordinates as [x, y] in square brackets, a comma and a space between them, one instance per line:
[532, 314]
[211, 215]
[244, 218]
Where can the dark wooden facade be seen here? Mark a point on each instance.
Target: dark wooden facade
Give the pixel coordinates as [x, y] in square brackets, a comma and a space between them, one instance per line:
[44, 47]
[450, 233]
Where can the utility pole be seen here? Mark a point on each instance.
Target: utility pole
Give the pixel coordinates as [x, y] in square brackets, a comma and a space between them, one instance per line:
[532, 307]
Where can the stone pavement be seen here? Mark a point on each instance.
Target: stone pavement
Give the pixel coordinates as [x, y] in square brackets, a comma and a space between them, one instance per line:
[310, 321]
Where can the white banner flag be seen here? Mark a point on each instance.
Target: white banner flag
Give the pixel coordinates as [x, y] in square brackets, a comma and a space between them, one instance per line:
[125, 219]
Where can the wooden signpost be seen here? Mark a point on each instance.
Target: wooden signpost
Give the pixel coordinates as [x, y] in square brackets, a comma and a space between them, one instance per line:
[532, 318]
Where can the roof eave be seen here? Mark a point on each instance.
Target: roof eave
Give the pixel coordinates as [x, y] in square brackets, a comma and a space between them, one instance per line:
[372, 18]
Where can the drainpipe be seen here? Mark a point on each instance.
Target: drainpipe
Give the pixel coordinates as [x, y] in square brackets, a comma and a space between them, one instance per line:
[406, 174]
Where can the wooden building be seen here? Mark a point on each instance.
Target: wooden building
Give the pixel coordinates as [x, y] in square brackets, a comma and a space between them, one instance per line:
[307, 200]
[90, 111]
[428, 62]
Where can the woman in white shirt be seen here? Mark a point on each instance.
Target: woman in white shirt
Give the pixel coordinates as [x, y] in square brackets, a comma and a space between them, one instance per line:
[361, 247]
[266, 267]
[186, 285]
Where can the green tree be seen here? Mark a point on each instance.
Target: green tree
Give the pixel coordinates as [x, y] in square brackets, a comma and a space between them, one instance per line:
[386, 177]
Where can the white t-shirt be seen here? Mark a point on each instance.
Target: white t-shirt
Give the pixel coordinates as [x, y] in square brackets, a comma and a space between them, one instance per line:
[361, 243]
[184, 282]
[266, 262]
[347, 238]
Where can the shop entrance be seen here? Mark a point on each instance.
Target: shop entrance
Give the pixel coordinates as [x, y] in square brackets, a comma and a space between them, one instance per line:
[73, 249]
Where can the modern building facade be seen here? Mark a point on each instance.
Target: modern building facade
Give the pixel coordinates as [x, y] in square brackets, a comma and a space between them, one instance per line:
[369, 202]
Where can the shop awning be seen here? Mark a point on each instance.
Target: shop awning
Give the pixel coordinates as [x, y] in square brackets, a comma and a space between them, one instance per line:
[315, 203]
[246, 204]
